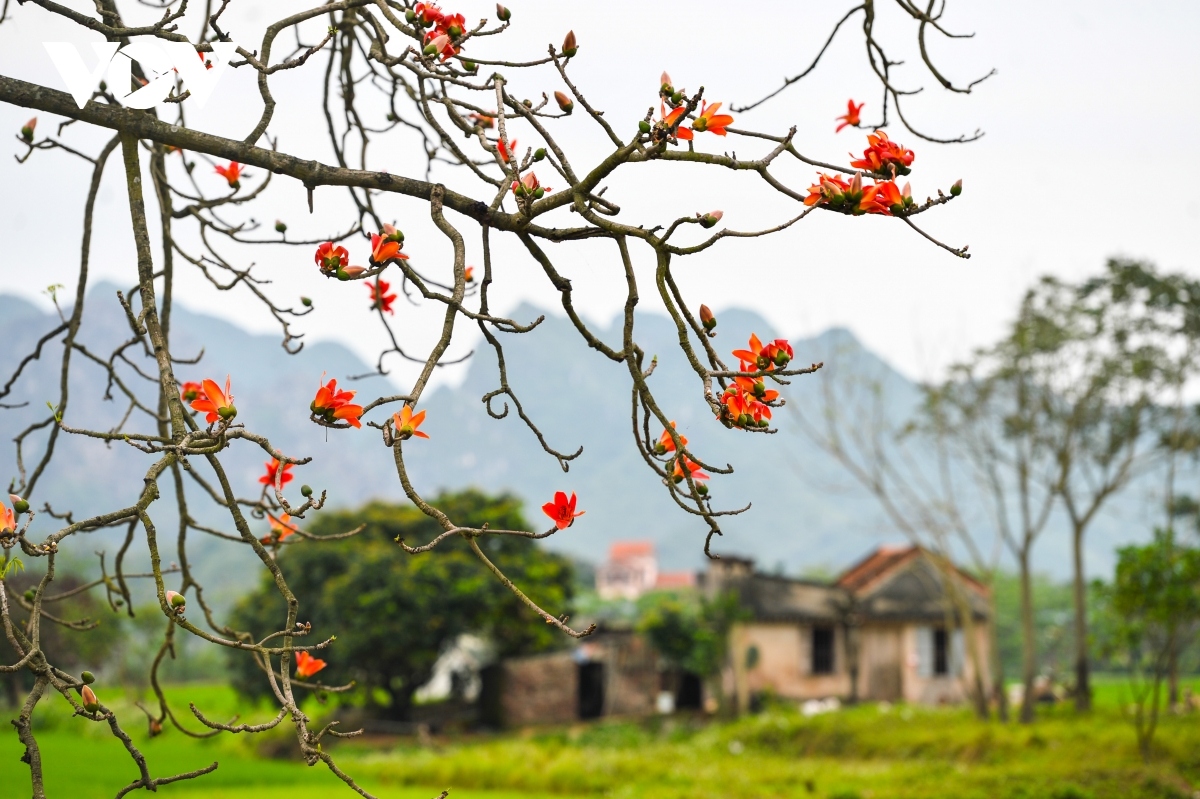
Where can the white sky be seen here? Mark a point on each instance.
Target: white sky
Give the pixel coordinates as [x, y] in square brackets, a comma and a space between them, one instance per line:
[1089, 126]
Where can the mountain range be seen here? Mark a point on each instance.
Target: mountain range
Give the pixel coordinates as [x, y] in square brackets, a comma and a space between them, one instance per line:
[807, 514]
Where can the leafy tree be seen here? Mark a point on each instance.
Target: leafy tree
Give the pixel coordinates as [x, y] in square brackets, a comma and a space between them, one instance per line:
[1153, 608]
[691, 634]
[393, 613]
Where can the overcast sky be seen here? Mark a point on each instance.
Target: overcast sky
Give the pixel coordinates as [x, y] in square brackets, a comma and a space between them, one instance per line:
[1090, 126]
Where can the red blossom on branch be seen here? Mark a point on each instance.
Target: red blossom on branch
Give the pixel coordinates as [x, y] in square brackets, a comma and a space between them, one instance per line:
[666, 443]
[331, 258]
[281, 528]
[332, 404]
[407, 423]
[273, 467]
[380, 299]
[884, 157]
[562, 510]
[189, 391]
[851, 116]
[231, 173]
[384, 248]
[307, 665]
[213, 402]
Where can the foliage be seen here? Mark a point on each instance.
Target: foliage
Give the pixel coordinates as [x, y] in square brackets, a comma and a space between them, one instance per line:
[1153, 609]
[690, 632]
[393, 613]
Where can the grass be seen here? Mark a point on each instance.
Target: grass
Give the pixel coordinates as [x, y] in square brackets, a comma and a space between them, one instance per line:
[860, 753]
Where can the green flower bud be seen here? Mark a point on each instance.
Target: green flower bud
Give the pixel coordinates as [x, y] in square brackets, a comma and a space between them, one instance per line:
[539, 154]
[643, 126]
[227, 412]
[306, 302]
[87, 677]
[280, 227]
[90, 703]
[29, 594]
[538, 192]
[306, 491]
[956, 189]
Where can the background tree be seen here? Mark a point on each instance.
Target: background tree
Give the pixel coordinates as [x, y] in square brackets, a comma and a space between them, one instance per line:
[1152, 610]
[394, 614]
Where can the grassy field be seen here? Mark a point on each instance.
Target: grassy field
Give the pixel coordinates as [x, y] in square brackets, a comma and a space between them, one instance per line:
[863, 753]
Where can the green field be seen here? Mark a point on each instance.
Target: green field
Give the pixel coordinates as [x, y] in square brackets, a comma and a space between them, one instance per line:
[863, 752]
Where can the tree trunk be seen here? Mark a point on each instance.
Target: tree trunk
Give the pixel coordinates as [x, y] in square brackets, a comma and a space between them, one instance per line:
[1083, 688]
[1173, 675]
[1028, 639]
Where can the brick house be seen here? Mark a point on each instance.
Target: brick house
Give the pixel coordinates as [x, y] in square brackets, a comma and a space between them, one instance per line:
[878, 632]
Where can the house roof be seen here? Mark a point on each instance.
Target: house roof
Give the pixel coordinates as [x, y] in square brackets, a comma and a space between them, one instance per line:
[630, 549]
[877, 566]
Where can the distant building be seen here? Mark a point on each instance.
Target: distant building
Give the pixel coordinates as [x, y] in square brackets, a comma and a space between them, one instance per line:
[885, 629]
[632, 570]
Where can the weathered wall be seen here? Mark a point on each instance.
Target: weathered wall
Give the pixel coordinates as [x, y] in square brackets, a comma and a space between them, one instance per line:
[541, 689]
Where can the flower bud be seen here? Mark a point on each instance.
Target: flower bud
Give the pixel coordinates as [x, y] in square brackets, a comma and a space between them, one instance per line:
[280, 227]
[469, 65]
[431, 49]
[676, 97]
[539, 154]
[665, 84]
[856, 183]
[87, 677]
[29, 594]
[702, 489]
[19, 505]
[538, 193]
[306, 302]
[660, 449]
[227, 412]
[782, 358]
[569, 47]
[502, 13]
[956, 189]
[711, 219]
[706, 317]
[27, 130]
[352, 271]
[392, 234]
[410, 15]
[565, 103]
[176, 599]
[643, 126]
[306, 490]
[90, 703]
[764, 422]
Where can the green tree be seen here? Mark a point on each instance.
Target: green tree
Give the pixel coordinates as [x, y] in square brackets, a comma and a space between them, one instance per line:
[691, 634]
[394, 613]
[1152, 609]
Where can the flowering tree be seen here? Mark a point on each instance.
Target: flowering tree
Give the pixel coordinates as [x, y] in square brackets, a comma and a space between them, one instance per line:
[426, 70]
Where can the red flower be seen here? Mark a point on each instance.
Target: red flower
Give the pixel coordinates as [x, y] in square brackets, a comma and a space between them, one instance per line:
[693, 468]
[331, 405]
[281, 528]
[764, 358]
[8, 520]
[384, 248]
[709, 120]
[273, 467]
[307, 665]
[851, 115]
[884, 157]
[506, 152]
[189, 391]
[428, 13]
[469, 274]
[562, 510]
[529, 185]
[380, 299]
[666, 444]
[331, 258]
[214, 402]
[828, 190]
[743, 409]
[231, 173]
[483, 120]
[672, 118]
[407, 423]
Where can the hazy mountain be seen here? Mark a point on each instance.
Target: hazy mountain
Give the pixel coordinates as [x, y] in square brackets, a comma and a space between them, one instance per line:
[806, 513]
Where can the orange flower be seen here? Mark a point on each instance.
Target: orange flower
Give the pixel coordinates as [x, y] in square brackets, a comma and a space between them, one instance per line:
[380, 299]
[231, 173]
[851, 115]
[384, 248]
[331, 405]
[272, 465]
[693, 468]
[828, 190]
[506, 152]
[756, 388]
[8, 520]
[742, 409]
[428, 13]
[215, 403]
[189, 391]
[469, 274]
[666, 444]
[765, 358]
[884, 157]
[529, 185]
[709, 120]
[674, 117]
[281, 528]
[483, 120]
[407, 423]
[562, 510]
[330, 258]
[307, 665]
